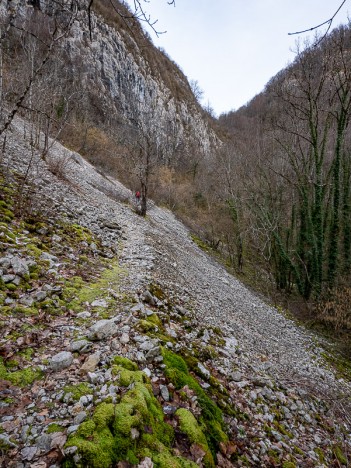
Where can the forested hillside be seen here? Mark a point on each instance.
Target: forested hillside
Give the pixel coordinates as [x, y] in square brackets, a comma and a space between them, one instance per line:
[291, 145]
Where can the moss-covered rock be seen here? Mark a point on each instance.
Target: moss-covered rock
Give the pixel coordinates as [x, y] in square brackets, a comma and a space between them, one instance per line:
[128, 431]
[125, 362]
[211, 417]
[189, 425]
[127, 377]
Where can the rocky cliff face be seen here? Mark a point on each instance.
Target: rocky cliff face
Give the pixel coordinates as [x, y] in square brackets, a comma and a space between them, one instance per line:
[128, 78]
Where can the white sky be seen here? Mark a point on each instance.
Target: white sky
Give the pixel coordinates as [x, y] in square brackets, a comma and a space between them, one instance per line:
[233, 47]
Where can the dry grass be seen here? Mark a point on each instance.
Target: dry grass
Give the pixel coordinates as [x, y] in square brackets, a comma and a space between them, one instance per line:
[335, 311]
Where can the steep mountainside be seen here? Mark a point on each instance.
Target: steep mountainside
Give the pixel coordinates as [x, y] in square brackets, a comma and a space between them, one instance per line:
[123, 344]
[106, 70]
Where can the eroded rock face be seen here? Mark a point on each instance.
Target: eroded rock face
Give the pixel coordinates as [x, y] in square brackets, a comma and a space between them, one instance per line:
[114, 72]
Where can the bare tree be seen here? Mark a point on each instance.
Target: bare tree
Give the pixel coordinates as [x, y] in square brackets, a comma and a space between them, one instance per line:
[196, 89]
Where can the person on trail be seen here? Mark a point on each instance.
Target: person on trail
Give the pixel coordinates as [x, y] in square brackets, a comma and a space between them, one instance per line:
[137, 195]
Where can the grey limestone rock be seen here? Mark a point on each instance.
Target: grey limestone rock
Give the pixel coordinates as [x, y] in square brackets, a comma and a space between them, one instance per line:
[99, 303]
[19, 266]
[102, 329]
[80, 346]
[61, 360]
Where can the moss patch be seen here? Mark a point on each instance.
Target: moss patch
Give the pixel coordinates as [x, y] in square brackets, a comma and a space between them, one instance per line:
[125, 362]
[211, 417]
[20, 378]
[188, 424]
[78, 391]
[117, 432]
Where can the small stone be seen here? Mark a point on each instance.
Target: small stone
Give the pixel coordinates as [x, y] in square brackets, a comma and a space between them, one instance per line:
[58, 440]
[19, 266]
[99, 303]
[102, 329]
[148, 298]
[164, 392]
[17, 280]
[48, 257]
[124, 338]
[28, 453]
[146, 463]
[91, 363]
[80, 346]
[93, 378]
[153, 353]
[61, 360]
[86, 399]
[169, 409]
[140, 357]
[206, 336]
[80, 417]
[84, 314]
[236, 376]
[134, 433]
[148, 345]
[26, 301]
[44, 442]
[147, 371]
[72, 429]
[8, 278]
[39, 296]
[205, 372]
[6, 442]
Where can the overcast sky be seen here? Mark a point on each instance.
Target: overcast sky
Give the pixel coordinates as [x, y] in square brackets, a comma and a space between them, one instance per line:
[233, 47]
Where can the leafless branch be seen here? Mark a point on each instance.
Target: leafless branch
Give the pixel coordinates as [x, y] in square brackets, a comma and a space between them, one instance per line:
[328, 22]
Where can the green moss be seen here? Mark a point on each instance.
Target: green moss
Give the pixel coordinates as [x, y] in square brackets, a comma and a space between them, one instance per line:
[33, 250]
[288, 464]
[78, 292]
[155, 319]
[54, 428]
[282, 429]
[211, 417]
[156, 291]
[177, 371]
[11, 287]
[125, 362]
[188, 424]
[320, 454]
[298, 450]
[108, 437]
[166, 460]
[339, 454]
[78, 391]
[20, 378]
[127, 377]
[9, 401]
[29, 311]
[145, 326]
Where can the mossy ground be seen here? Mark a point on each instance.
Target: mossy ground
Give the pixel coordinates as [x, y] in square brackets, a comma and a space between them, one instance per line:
[129, 430]
[20, 378]
[211, 415]
[81, 281]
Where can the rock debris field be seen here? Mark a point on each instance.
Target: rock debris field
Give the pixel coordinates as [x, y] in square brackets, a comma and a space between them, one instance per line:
[124, 344]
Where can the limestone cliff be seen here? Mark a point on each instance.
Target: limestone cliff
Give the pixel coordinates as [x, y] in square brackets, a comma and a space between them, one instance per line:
[123, 73]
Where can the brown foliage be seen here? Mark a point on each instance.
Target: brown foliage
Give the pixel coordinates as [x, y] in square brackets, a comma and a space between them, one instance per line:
[335, 311]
